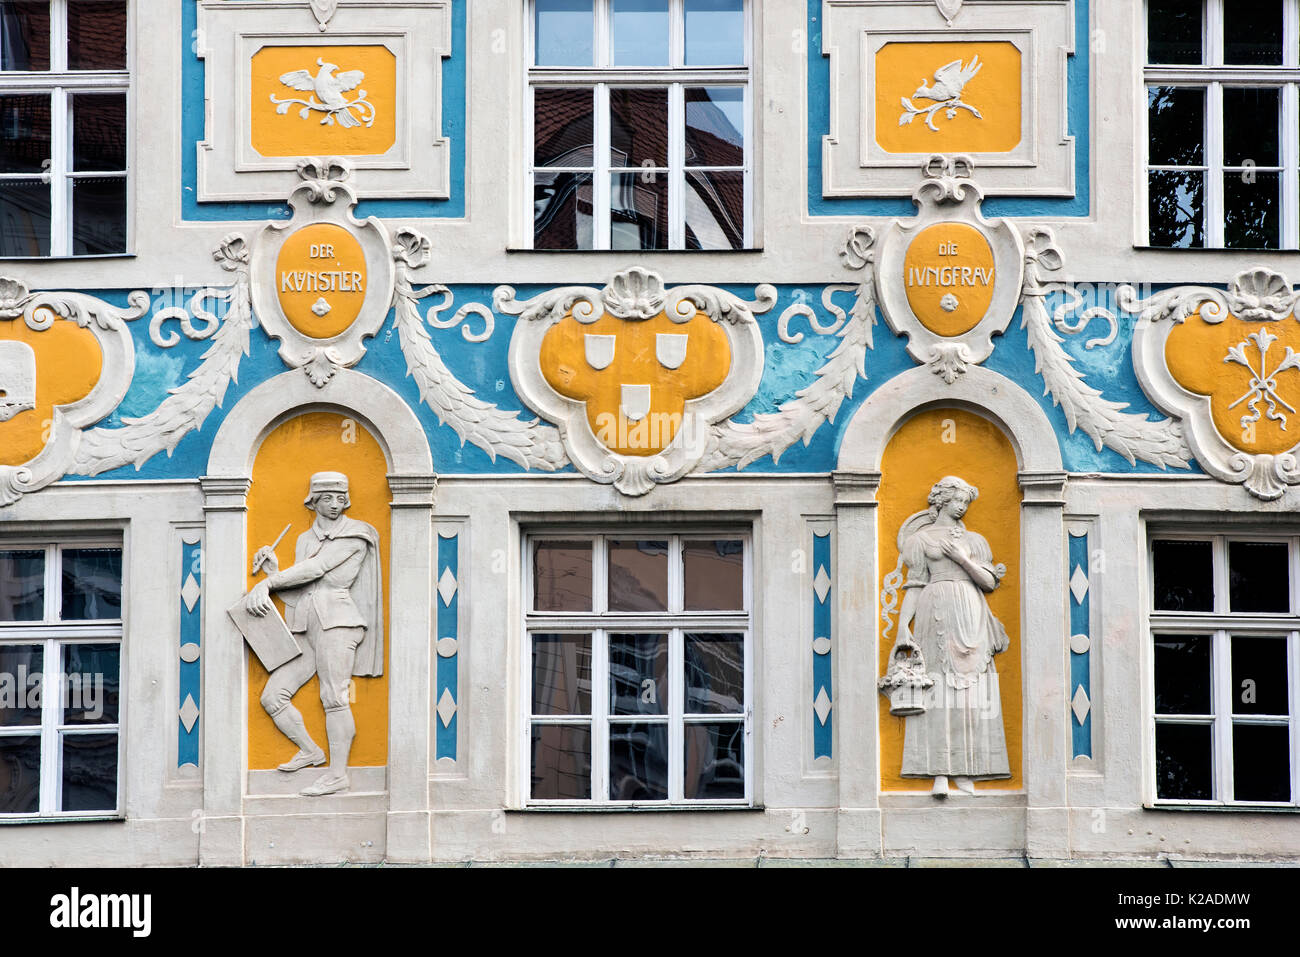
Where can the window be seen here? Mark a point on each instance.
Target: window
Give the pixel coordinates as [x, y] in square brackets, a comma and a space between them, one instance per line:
[63, 127]
[1223, 124]
[639, 124]
[638, 666]
[1225, 629]
[60, 676]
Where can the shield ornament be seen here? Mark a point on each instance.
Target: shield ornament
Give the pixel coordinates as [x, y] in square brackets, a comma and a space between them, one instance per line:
[599, 350]
[635, 401]
[670, 349]
[17, 378]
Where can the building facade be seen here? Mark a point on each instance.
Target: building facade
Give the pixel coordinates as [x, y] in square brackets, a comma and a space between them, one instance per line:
[438, 431]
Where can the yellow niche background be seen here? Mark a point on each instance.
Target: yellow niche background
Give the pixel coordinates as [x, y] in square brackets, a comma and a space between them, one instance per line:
[288, 134]
[68, 364]
[901, 69]
[917, 457]
[308, 443]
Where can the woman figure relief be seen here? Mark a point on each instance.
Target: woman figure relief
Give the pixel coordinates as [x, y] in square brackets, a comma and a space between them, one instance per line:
[957, 730]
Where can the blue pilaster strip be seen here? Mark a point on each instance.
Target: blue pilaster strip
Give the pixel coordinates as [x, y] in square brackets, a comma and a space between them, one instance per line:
[822, 732]
[191, 633]
[448, 626]
[1080, 664]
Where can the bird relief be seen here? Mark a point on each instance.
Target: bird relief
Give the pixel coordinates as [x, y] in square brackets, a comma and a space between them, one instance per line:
[326, 91]
[949, 81]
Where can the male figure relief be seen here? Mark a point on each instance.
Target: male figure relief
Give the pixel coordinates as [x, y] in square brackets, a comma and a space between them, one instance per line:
[333, 604]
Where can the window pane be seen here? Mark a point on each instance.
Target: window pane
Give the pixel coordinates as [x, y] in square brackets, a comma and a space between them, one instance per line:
[715, 126]
[92, 583]
[715, 210]
[91, 676]
[20, 684]
[25, 133]
[640, 32]
[1257, 577]
[715, 674]
[638, 130]
[561, 762]
[565, 32]
[638, 575]
[562, 127]
[24, 34]
[1250, 210]
[89, 772]
[1261, 762]
[562, 576]
[1250, 124]
[1184, 576]
[99, 131]
[99, 215]
[638, 211]
[96, 34]
[713, 573]
[24, 218]
[715, 32]
[638, 761]
[1259, 676]
[561, 674]
[1176, 125]
[1174, 31]
[1252, 31]
[1176, 209]
[562, 211]
[638, 674]
[715, 760]
[20, 774]
[1182, 674]
[1183, 762]
[22, 585]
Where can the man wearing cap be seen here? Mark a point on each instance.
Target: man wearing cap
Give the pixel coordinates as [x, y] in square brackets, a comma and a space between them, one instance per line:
[333, 606]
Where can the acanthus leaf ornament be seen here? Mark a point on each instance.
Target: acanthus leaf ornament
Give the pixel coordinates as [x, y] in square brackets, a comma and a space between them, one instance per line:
[1212, 357]
[1131, 434]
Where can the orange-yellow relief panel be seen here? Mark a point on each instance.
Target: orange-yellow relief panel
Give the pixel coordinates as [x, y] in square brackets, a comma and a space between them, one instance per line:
[931, 445]
[635, 376]
[68, 363]
[320, 277]
[950, 97]
[326, 100]
[948, 275]
[308, 443]
[1251, 373]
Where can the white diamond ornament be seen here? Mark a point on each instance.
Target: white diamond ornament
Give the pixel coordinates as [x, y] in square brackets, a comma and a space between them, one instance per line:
[1080, 704]
[447, 586]
[822, 583]
[190, 592]
[822, 705]
[189, 713]
[1078, 584]
[446, 707]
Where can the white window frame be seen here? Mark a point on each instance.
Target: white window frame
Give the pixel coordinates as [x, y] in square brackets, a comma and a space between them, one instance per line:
[600, 623]
[61, 84]
[1220, 624]
[675, 77]
[53, 633]
[1213, 76]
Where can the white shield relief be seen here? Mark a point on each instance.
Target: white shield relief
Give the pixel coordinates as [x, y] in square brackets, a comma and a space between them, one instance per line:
[599, 349]
[636, 402]
[670, 349]
[17, 378]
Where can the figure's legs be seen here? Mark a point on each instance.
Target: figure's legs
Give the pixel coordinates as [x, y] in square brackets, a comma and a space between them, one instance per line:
[965, 784]
[940, 789]
[336, 656]
[277, 698]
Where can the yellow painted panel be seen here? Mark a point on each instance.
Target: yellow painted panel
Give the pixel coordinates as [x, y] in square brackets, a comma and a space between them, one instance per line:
[308, 443]
[68, 364]
[930, 445]
[307, 100]
[949, 276]
[1198, 356]
[636, 361]
[946, 84]
[320, 278]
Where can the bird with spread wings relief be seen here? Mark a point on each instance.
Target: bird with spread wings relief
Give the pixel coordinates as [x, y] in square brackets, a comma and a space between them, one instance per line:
[949, 81]
[327, 89]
